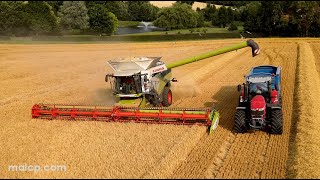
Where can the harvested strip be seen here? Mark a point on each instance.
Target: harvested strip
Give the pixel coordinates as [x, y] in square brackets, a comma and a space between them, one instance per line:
[307, 155]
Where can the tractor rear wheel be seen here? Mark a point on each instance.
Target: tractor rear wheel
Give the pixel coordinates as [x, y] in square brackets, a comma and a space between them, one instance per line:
[276, 121]
[166, 97]
[240, 122]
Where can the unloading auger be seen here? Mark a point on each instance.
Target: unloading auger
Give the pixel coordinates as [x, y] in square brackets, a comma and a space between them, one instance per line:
[142, 88]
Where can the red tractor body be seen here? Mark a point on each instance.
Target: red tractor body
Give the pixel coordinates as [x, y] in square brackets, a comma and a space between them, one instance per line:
[260, 101]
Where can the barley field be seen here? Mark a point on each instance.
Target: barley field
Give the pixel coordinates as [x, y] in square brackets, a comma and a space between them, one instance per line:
[74, 74]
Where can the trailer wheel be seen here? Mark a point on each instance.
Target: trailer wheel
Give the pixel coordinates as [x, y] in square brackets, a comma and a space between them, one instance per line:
[276, 121]
[240, 122]
[166, 97]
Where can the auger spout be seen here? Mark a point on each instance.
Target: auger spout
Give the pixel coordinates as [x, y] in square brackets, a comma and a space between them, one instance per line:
[249, 43]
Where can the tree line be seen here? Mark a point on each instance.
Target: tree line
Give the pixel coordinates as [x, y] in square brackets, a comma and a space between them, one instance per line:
[181, 15]
[23, 18]
[270, 18]
[282, 18]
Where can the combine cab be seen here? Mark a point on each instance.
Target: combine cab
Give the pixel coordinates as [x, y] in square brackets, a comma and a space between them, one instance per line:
[260, 101]
[141, 81]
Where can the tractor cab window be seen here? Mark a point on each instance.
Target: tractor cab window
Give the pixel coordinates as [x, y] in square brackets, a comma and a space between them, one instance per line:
[128, 85]
[258, 88]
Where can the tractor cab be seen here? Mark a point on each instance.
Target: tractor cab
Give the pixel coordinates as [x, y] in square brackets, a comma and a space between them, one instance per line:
[262, 80]
[260, 88]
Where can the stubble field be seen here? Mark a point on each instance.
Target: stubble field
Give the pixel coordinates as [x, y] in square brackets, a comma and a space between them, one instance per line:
[74, 74]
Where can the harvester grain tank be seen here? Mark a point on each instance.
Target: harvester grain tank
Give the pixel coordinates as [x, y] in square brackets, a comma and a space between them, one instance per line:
[260, 101]
[142, 87]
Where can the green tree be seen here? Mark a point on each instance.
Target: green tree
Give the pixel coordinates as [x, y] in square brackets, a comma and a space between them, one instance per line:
[222, 17]
[13, 19]
[102, 21]
[177, 17]
[307, 12]
[252, 16]
[315, 24]
[237, 14]
[232, 27]
[230, 15]
[55, 6]
[209, 12]
[270, 16]
[142, 11]
[200, 19]
[118, 8]
[73, 15]
[41, 17]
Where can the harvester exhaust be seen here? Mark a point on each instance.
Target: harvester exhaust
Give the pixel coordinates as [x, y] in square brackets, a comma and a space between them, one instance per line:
[159, 115]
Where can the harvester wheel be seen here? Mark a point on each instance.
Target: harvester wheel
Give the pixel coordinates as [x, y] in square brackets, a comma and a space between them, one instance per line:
[166, 97]
[240, 122]
[276, 121]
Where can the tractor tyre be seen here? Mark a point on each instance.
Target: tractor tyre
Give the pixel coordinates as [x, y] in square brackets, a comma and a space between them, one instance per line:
[240, 125]
[166, 97]
[276, 121]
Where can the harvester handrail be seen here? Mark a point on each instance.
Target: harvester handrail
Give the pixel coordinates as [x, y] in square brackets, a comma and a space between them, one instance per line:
[250, 42]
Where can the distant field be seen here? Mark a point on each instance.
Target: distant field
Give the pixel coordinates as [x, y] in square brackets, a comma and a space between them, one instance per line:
[195, 5]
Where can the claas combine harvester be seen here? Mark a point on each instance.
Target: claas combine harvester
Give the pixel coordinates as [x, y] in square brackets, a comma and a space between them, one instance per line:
[142, 87]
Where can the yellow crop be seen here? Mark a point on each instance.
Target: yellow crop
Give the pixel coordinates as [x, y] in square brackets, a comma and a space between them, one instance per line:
[74, 73]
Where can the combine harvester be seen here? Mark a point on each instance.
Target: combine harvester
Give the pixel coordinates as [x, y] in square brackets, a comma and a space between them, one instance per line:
[142, 87]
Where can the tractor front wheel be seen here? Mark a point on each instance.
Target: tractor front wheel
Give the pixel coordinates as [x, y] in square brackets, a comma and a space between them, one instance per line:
[240, 122]
[276, 121]
[166, 97]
